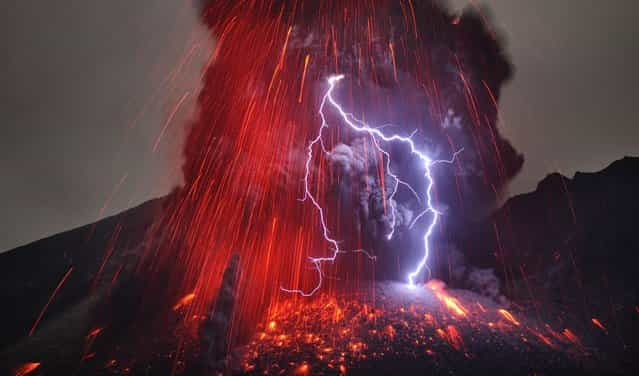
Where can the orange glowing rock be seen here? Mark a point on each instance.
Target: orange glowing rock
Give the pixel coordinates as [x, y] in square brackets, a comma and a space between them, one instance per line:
[599, 325]
[302, 370]
[271, 325]
[543, 339]
[454, 338]
[26, 369]
[435, 285]
[508, 316]
[94, 333]
[186, 299]
[390, 330]
[450, 302]
[571, 337]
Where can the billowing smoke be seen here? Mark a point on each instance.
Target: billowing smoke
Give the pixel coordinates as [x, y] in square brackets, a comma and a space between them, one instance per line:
[357, 164]
[409, 66]
[453, 106]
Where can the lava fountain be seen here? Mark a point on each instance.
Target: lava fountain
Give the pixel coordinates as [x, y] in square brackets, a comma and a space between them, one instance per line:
[408, 63]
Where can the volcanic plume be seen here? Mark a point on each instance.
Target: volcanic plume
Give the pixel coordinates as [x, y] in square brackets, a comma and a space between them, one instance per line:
[288, 246]
[408, 65]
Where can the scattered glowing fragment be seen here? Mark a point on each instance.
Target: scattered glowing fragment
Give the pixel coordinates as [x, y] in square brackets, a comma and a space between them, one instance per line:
[186, 299]
[599, 325]
[450, 302]
[26, 369]
[303, 369]
[571, 337]
[94, 333]
[508, 316]
[454, 338]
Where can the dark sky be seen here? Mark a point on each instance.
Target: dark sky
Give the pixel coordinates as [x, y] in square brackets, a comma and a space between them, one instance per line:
[84, 95]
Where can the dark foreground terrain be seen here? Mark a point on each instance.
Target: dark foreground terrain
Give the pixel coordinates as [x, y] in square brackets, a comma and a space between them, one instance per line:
[571, 304]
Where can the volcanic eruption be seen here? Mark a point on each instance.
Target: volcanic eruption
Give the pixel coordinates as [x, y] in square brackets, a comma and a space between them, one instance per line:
[345, 159]
[411, 68]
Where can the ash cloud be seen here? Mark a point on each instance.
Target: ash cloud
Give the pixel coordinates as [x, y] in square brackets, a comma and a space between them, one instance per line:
[468, 61]
[439, 75]
[356, 164]
[452, 106]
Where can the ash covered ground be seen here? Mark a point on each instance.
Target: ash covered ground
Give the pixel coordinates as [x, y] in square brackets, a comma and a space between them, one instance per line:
[570, 315]
[387, 328]
[399, 329]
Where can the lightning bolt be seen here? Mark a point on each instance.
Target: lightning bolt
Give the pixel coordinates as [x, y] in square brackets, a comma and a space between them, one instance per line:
[376, 134]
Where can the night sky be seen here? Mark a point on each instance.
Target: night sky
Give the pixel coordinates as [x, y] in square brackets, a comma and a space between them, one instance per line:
[84, 98]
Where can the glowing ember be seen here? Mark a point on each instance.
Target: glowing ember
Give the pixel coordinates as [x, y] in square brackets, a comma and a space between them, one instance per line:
[53, 295]
[26, 369]
[599, 325]
[184, 301]
[451, 303]
[307, 334]
[302, 370]
[508, 316]
[93, 333]
[453, 337]
[571, 337]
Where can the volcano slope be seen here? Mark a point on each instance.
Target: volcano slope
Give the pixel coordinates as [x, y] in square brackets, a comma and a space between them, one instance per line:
[385, 328]
[397, 329]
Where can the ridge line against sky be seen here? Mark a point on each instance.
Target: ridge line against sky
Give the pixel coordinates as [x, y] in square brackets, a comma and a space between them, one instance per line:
[72, 86]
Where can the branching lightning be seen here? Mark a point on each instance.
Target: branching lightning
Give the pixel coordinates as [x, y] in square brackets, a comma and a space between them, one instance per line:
[376, 135]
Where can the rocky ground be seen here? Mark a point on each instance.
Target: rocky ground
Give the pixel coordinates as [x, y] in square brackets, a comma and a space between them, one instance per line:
[574, 309]
[426, 329]
[389, 329]
[393, 329]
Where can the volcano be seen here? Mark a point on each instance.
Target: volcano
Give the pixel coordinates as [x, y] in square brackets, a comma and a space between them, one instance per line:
[565, 314]
[234, 272]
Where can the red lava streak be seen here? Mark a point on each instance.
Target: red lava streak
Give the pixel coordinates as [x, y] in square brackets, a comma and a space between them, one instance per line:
[451, 303]
[598, 324]
[257, 111]
[508, 316]
[184, 301]
[26, 369]
[53, 294]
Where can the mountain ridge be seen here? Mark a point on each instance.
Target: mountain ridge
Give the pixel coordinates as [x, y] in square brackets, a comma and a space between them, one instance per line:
[564, 210]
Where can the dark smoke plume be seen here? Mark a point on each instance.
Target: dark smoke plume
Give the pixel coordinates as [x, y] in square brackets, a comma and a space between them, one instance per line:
[448, 95]
[410, 65]
[465, 58]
